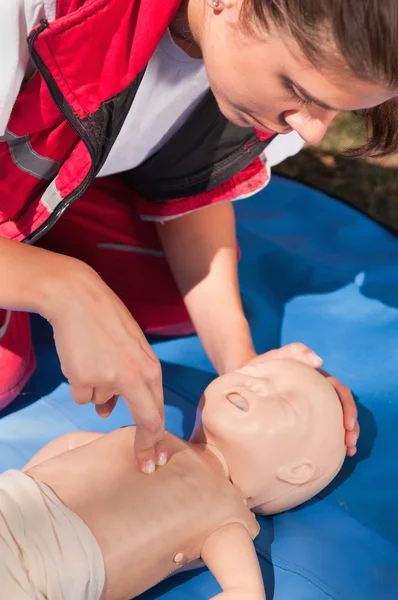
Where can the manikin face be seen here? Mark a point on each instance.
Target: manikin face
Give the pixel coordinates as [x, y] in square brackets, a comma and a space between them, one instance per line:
[277, 424]
[264, 80]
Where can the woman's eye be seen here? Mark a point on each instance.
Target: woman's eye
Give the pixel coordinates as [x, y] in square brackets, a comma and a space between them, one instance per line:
[301, 101]
[294, 96]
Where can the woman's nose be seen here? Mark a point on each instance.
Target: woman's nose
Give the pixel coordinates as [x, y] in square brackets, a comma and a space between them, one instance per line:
[309, 128]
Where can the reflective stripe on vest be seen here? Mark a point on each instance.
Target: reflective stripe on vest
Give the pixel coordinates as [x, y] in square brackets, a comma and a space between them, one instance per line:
[129, 248]
[4, 327]
[26, 159]
[51, 197]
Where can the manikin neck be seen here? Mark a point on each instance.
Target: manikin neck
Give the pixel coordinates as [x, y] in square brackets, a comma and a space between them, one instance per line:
[208, 452]
[199, 443]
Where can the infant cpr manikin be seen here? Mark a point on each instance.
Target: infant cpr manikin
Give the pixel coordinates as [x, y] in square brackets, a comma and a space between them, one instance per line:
[267, 438]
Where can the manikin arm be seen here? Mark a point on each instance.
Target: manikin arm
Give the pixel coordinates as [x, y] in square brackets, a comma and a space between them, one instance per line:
[230, 555]
[66, 442]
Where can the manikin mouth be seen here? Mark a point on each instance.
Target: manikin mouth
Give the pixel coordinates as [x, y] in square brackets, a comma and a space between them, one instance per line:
[237, 400]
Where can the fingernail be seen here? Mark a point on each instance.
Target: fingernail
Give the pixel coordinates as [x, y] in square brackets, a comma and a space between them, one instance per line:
[162, 459]
[149, 467]
[352, 424]
[315, 359]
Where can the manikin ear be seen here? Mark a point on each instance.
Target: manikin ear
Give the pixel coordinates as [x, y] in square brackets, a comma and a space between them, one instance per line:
[298, 472]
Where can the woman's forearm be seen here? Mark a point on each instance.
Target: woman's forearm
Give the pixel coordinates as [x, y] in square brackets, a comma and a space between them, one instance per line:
[30, 277]
[225, 337]
[216, 310]
[202, 254]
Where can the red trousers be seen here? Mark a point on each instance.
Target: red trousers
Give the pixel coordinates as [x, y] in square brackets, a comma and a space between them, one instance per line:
[104, 230]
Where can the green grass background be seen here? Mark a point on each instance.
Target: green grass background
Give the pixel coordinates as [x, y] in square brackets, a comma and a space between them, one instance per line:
[369, 184]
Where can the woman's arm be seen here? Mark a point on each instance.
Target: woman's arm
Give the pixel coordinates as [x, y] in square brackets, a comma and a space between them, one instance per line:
[202, 254]
[201, 249]
[27, 276]
[102, 350]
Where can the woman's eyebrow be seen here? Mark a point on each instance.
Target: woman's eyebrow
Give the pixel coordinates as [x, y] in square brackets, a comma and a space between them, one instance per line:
[291, 85]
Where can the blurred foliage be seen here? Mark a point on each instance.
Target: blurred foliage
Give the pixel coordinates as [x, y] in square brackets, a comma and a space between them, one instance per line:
[369, 184]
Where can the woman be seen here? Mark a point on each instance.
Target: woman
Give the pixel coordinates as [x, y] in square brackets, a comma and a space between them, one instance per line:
[183, 100]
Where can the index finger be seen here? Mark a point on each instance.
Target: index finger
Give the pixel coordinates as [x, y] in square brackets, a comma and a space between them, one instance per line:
[144, 407]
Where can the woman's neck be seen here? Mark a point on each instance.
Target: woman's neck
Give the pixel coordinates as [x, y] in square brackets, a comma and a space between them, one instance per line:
[184, 26]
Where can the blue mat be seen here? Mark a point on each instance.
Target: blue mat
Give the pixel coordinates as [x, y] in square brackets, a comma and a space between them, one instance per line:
[312, 270]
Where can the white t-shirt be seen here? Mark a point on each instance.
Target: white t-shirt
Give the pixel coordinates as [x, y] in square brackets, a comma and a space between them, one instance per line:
[17, 19]
[171, 88]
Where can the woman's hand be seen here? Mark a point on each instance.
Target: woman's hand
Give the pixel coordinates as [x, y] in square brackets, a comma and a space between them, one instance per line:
[102, 350]
[104, 354]
[350, 413]
[303, 354]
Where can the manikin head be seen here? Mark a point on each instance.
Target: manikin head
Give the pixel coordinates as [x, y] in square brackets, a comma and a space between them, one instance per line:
[279, 427]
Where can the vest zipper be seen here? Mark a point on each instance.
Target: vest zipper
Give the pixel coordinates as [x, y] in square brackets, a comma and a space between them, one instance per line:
[67, 112]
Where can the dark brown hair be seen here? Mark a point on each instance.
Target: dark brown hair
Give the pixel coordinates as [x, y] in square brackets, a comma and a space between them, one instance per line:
[365, 32]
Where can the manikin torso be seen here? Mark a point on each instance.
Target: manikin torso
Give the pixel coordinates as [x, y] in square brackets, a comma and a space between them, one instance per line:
[169, 514]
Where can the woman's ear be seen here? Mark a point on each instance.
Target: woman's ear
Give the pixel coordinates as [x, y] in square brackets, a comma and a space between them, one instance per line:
[298, 472]
[219, 5]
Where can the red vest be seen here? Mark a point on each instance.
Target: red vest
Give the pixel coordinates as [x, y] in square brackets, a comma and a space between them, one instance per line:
[90, 62]
[87, 63]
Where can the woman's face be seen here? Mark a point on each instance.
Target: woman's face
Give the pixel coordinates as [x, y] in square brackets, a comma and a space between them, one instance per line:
[266, 81]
